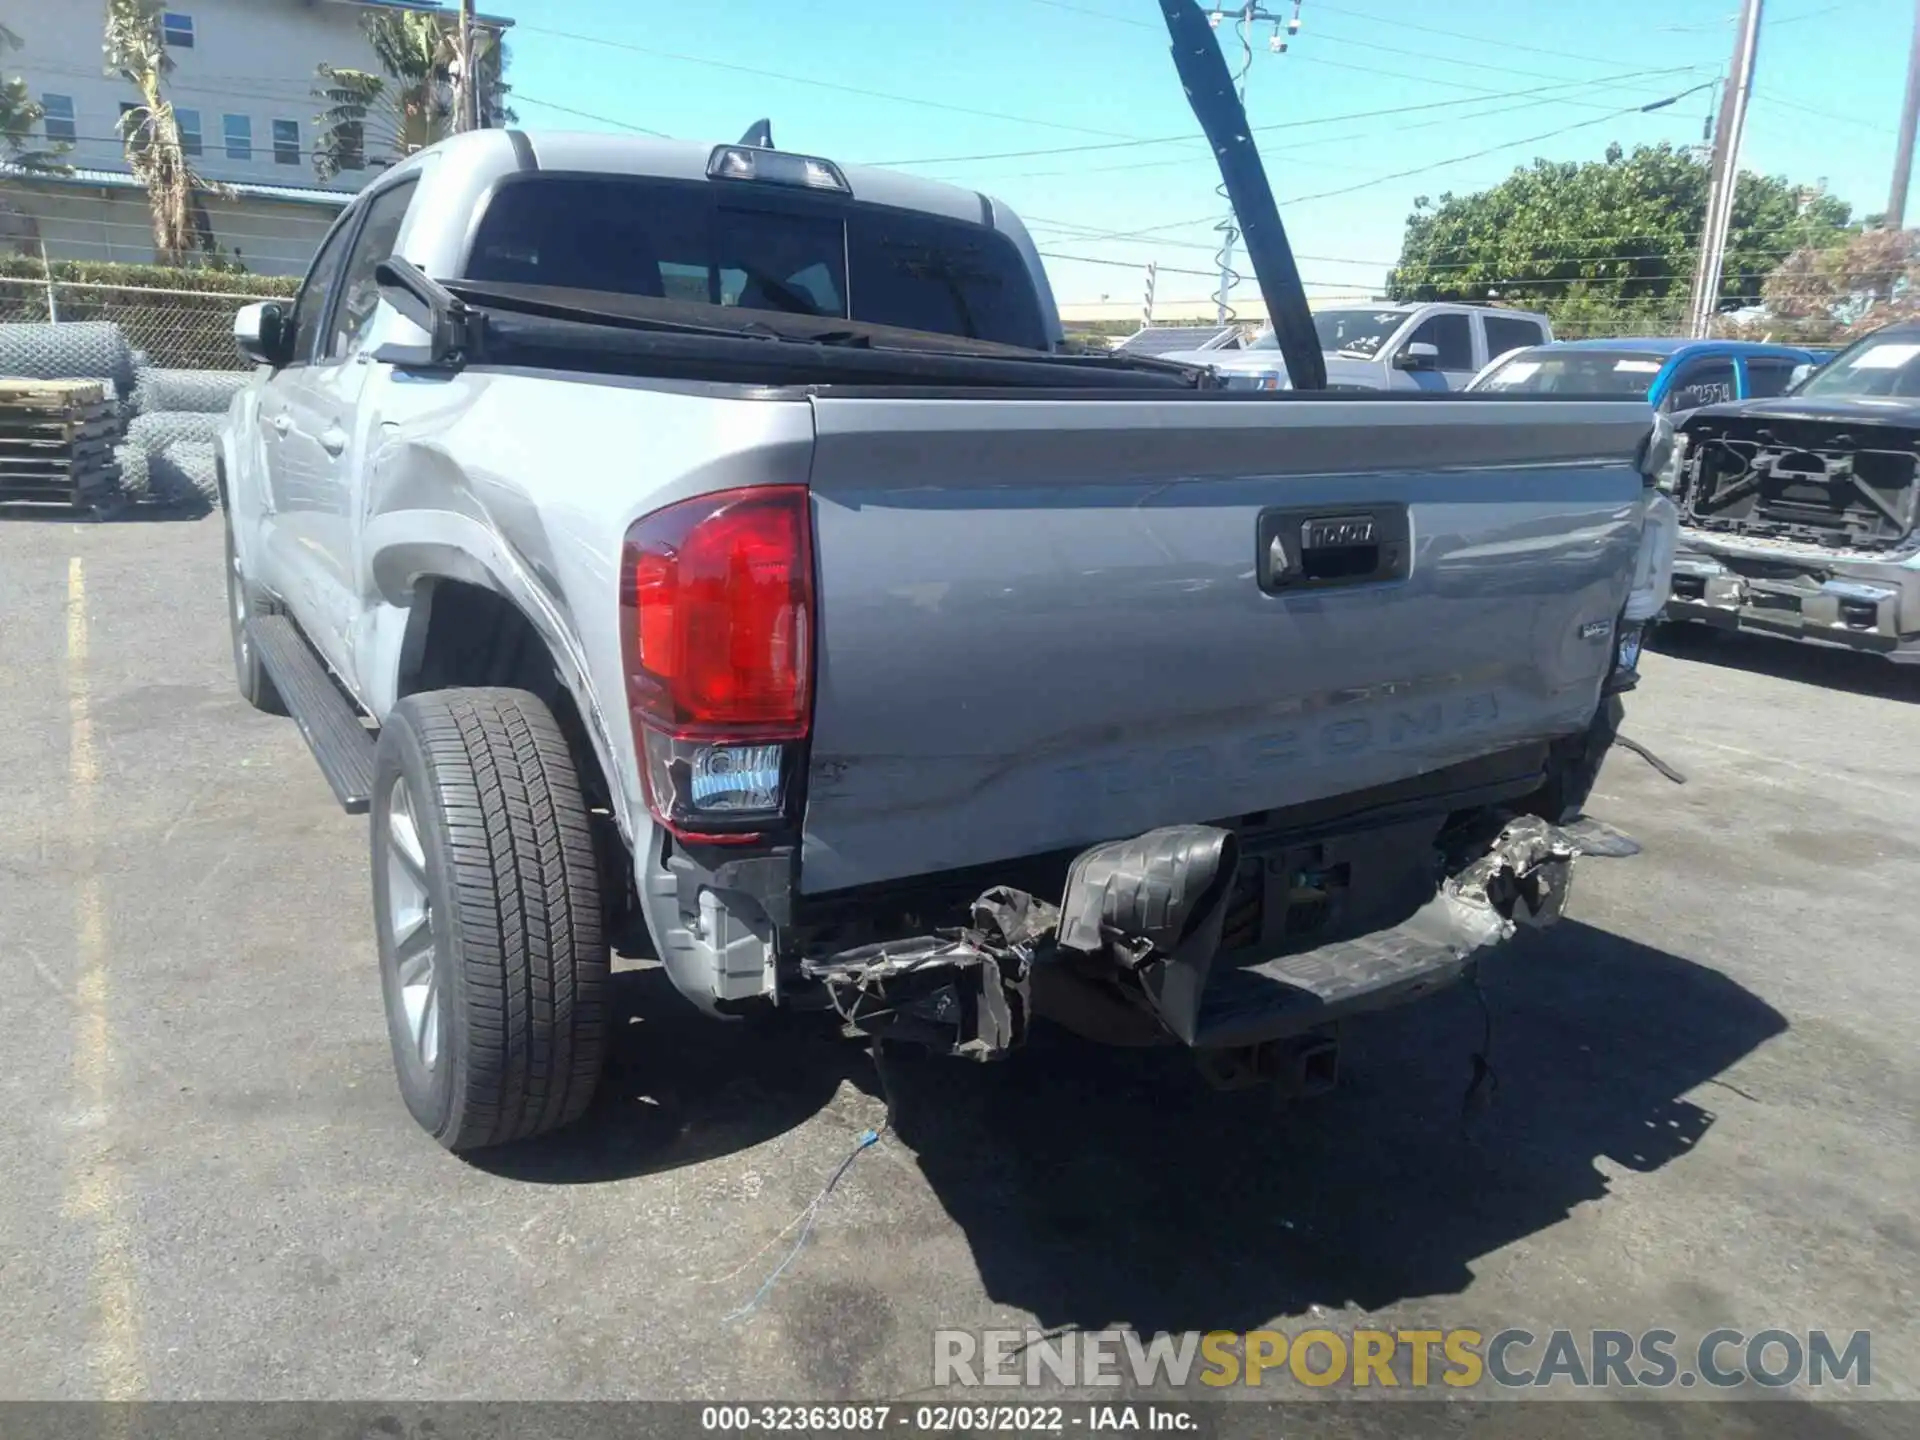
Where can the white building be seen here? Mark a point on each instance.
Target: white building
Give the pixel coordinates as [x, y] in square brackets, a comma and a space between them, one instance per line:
[242, 90]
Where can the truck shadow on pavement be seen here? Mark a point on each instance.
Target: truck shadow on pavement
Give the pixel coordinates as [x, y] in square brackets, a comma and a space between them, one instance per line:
[1103, 1187]
[1100, 1187]
[680, 1088]
[1786, 660]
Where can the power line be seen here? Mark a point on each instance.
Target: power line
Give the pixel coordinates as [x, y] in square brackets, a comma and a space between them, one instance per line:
[1404, 174]
[1291, 153]
[1338, 7]
[521, 98]
[1773, 99]
[1190, 137]
[888, 96]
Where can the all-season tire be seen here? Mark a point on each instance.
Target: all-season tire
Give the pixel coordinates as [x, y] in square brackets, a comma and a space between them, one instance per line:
[493, 961]
[244, 601]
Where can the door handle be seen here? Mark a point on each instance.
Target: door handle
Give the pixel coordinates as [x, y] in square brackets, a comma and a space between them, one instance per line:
[333, 440]
[281, 424]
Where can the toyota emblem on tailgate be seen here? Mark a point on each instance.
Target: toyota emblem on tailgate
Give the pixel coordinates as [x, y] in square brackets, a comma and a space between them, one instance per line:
[1336, 532]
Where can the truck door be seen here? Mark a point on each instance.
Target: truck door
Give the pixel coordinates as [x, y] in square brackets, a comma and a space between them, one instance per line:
[1451, 333]
[331, 424]
[295, 478]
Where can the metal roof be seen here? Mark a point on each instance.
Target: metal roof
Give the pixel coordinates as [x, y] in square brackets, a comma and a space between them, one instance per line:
[121, 180]
[1172, 339]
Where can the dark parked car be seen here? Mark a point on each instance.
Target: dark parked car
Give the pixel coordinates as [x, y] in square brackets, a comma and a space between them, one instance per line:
[1801, 513]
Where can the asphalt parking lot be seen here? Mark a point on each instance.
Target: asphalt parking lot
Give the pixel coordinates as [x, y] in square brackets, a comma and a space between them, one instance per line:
[1708, 1111]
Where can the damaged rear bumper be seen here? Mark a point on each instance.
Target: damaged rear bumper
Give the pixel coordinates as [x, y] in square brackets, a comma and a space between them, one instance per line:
[1847, 599]
[1139, 932]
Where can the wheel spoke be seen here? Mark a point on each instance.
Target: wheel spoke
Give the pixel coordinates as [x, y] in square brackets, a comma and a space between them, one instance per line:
[429, 1036]
[404, 836]
[413, 949]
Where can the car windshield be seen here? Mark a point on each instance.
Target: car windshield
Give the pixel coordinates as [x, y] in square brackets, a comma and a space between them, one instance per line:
[1613, 373]
[759, 249]
[1356, 332]
[1878, 366]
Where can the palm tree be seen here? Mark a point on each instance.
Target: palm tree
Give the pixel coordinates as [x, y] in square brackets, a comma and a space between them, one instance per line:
[19, 113]
[410, 103]
[136, 49]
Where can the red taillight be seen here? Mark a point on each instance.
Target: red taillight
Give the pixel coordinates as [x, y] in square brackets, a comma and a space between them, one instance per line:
[716, 617]
[717, 601]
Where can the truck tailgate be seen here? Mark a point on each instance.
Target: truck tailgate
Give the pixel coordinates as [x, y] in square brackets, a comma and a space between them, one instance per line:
[1042, 623]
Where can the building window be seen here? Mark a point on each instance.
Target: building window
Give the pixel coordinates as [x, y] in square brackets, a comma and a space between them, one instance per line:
[286, 142]
[58, 118]
[177, 30]
[353, 145]
[239, 132]
[189, 123]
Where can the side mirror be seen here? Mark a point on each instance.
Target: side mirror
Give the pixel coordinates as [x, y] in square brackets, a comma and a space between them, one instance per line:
[1800, 372]
[1418, 355]
[263, 333]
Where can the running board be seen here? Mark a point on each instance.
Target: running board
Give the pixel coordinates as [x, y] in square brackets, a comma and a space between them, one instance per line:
[341, 745]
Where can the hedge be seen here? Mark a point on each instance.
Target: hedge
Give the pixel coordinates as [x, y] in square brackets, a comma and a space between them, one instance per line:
[147, 277]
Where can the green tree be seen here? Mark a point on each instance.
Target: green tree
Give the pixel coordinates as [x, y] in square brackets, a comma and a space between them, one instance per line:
[1615, 237]
[409, 104]
[136, 48]
[19, 114]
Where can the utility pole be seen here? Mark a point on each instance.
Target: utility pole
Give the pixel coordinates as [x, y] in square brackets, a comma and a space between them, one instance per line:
[1909, 113]
[1251, 14]
[1726, 172]
[467, 112]
[1146, 301]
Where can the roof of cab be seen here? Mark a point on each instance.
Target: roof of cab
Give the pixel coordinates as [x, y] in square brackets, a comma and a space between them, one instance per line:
[596, 153]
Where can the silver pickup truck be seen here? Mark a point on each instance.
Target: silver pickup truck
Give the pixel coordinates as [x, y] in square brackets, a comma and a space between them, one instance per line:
[711, 551]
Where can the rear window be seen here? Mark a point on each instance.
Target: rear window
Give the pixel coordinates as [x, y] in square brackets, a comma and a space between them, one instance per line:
[1619, 374]
[739, 246]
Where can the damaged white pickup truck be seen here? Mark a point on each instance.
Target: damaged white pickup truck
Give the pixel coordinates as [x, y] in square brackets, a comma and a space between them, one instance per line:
[710, 550]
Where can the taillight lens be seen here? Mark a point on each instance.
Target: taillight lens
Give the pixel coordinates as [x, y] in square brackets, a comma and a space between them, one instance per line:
[717, 627]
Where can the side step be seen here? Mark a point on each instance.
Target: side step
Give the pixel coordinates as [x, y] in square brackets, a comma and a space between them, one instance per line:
[340, 743]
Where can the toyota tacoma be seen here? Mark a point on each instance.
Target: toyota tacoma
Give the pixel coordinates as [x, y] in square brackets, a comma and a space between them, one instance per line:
[714, 552]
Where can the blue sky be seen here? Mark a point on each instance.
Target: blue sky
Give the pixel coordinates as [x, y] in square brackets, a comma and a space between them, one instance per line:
[913, 83]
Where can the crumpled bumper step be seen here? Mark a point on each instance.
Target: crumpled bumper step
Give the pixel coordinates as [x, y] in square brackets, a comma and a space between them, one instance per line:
[1290, 993]
[1147, 913]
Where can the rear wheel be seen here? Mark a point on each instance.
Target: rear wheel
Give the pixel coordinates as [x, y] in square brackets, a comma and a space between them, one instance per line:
[243, 603]
[493, 962]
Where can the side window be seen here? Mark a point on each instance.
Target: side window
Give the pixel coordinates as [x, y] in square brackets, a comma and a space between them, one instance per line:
[1505, 333]
[1769, 377]
[1704, 382]
[1452, 335]
[319, 284]
[359, 291]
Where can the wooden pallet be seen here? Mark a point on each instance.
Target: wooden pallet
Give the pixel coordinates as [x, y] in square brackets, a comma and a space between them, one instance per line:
[56, 441]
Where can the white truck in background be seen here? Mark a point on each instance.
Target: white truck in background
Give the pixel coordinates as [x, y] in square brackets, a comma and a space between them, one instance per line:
[1435, 346]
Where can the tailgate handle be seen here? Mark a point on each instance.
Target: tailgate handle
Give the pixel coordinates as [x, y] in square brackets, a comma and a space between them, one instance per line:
[1301, 549]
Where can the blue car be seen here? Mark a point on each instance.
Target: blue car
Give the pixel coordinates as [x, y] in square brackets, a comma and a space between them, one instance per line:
[1673, 375]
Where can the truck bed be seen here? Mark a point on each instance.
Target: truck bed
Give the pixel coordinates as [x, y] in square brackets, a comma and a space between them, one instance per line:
[1042, 620]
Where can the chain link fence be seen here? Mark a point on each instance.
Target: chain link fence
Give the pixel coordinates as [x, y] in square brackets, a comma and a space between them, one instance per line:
[176, 329]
